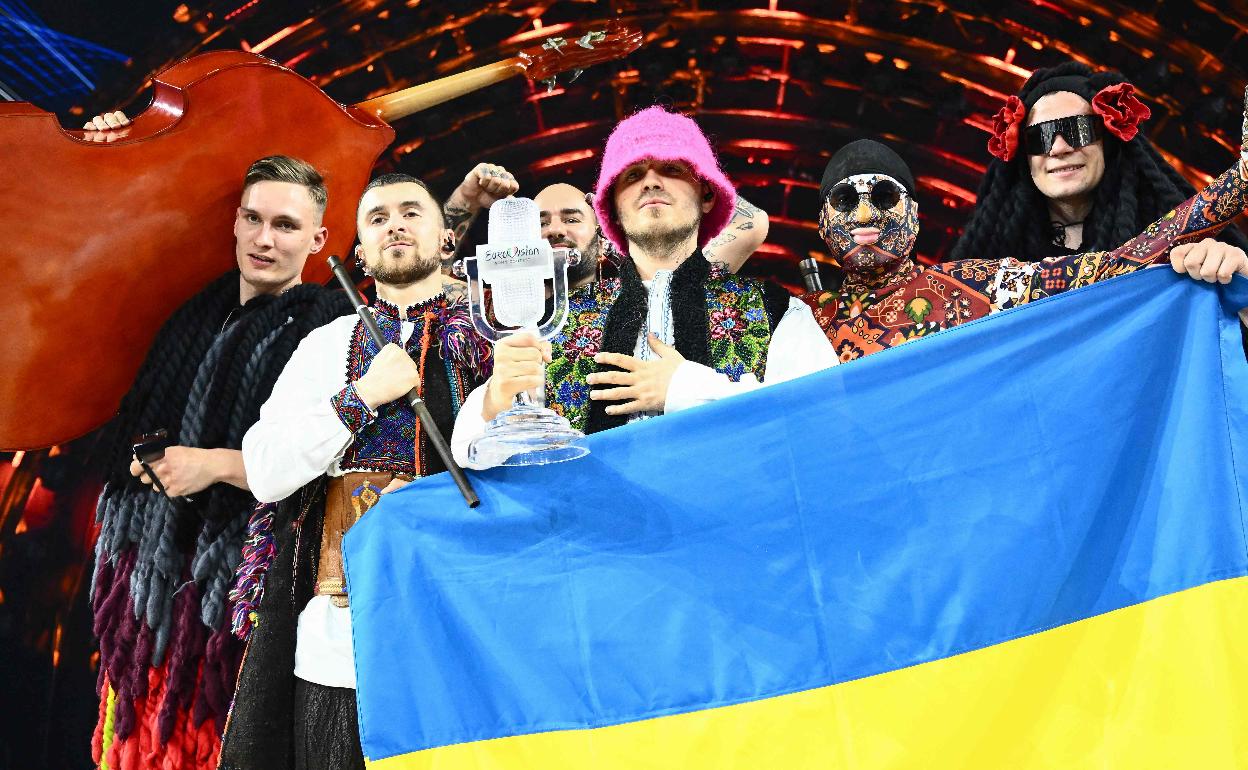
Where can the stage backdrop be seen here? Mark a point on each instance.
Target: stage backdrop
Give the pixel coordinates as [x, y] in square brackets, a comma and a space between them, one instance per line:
[1019, 543]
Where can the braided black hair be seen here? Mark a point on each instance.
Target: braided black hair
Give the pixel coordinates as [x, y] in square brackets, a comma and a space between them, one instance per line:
[1011, 218]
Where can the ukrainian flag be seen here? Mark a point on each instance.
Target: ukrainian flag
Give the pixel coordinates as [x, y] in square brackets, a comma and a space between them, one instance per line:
[1017, 544]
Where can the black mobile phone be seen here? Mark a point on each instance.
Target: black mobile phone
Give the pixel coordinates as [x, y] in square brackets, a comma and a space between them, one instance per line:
[150, 447]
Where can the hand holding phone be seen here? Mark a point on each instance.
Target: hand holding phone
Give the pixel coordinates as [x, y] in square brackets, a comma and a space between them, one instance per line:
[148, 448]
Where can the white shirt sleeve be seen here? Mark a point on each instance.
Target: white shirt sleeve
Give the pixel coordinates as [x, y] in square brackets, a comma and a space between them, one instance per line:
[468, 425]
[798, 347]
[299, 435]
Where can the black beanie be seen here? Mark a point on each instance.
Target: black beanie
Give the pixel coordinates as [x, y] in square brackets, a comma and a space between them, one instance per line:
[866, 156]
[1075, 84]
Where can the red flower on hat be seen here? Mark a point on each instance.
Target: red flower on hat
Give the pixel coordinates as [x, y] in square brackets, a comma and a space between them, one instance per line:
[1121, 110]
[1004, 141]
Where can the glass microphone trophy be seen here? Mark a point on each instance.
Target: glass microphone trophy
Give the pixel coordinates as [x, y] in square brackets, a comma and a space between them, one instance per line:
[516, 262]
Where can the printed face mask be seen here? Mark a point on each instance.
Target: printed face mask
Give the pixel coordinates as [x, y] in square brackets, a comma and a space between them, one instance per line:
[869, 223]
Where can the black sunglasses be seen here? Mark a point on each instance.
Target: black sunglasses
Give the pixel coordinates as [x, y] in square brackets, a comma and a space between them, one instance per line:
[1077, 130]
[884, 195]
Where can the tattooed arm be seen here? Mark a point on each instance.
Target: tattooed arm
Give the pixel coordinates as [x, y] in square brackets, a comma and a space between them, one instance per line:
[745, 233]
[482, 186]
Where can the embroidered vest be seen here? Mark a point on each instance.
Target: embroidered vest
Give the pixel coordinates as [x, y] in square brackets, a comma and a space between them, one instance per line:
[453, 360]
[730, 333]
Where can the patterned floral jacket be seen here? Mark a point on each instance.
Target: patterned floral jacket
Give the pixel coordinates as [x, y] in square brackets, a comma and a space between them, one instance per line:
[453, 359]
[865, 317]
[721, 320]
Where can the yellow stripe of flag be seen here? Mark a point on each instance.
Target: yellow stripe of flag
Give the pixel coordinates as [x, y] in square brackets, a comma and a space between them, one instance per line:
[1161, 685]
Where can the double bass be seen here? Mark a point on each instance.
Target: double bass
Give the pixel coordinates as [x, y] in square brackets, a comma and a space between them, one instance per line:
[105, 240]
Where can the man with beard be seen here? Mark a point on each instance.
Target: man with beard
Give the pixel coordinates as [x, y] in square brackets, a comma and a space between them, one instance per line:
[671, 332]
[336, 434]
[568, 220]
[168, 542]
[870, 220]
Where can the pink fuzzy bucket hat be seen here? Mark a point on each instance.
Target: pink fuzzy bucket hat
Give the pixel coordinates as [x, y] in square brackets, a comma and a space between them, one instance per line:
[656, 133]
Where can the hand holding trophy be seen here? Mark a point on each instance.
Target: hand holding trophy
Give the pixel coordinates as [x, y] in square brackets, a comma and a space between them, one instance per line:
[516, 263]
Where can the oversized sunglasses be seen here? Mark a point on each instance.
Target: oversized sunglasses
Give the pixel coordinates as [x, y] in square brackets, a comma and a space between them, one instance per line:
[884, 195]
[1077, 130]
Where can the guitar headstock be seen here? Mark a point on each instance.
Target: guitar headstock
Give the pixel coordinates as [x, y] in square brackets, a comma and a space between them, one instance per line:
[557, 55]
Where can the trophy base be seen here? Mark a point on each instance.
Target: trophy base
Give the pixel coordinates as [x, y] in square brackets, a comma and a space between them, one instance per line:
[526, 435]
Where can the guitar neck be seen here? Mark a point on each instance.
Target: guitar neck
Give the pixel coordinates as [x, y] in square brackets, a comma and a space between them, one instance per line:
[400, 104]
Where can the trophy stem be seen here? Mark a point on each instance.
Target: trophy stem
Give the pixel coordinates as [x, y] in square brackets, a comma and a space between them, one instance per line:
[527, 434]
[538, 397]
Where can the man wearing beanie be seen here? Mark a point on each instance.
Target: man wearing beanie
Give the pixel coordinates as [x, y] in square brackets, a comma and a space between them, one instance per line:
[672, 331]
[870, 220]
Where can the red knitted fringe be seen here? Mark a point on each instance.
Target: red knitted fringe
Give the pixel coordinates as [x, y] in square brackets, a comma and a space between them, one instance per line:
[189, 747]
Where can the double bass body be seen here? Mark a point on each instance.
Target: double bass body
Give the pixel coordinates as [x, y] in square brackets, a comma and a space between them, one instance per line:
[104, 241]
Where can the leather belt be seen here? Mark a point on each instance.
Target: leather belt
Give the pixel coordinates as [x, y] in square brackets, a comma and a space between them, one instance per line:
[347, 498]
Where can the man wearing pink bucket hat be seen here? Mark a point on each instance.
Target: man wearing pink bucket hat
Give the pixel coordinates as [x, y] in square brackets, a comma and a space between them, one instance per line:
[672, 331]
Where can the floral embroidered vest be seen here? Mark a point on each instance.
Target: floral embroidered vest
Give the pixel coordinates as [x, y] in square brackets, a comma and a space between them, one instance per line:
[453, 359]
[730, 332]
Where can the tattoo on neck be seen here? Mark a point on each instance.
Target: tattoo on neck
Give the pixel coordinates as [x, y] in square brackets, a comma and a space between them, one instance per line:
[458, 219]
[454, 291]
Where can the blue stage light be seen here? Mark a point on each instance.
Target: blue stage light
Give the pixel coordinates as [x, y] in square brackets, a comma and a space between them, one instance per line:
[41, 65]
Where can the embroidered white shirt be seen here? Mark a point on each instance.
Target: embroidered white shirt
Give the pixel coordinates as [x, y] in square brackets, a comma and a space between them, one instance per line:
[299, 438]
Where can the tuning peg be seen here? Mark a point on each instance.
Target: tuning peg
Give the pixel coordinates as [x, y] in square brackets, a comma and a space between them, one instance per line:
[575, 74]
[550, 84]
[555, 44]
[589, 38]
